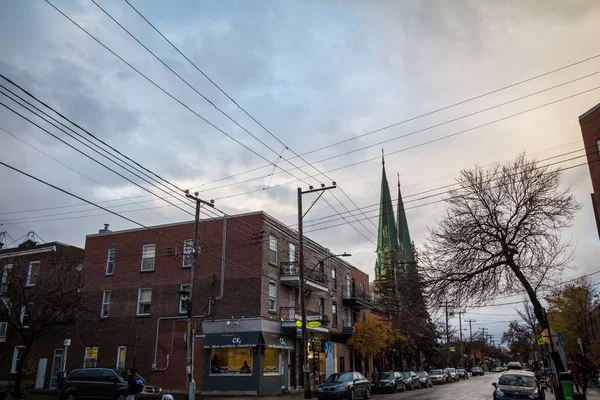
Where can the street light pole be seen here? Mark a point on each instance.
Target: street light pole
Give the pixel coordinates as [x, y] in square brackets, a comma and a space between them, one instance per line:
[189, 342]
[304, 341]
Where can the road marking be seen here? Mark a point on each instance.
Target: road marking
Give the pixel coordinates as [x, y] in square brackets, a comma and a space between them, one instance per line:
[468, 394]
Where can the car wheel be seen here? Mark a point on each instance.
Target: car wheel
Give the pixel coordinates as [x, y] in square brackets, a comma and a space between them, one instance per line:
[403, 387]
[367, 393]
[121, 396]
[395, 389]
[351, 395]
[71, 396]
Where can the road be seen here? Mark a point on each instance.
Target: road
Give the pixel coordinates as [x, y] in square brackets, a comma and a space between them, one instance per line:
[474, 388]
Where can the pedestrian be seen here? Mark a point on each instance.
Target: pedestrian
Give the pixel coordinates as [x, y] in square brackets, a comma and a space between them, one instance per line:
[375, 374]
[132, 384]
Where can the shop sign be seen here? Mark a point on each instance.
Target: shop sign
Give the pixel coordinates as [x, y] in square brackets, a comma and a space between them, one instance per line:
[299, 324]
[452, 349]
[313, 324]
[314, 317]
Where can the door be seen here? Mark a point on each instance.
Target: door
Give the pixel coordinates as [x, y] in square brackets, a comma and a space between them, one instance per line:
[41, 373]
[292, 304]
[56, 366]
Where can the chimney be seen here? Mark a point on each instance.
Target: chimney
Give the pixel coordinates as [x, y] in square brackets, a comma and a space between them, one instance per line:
[105, 230]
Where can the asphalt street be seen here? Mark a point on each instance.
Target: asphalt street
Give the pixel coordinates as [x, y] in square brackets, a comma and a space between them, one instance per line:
[474, 388]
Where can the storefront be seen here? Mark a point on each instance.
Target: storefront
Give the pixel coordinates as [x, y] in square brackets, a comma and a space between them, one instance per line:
[246, 362]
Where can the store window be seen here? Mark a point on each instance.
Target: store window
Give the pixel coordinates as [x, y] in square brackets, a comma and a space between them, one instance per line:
[231, 361]
[272, 362]
[91, 357]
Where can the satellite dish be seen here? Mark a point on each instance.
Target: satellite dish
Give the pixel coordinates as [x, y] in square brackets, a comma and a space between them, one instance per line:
[79, 268]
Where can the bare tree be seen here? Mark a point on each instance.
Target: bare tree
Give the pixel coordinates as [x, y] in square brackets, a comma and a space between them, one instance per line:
[37, 303]
[500, 236]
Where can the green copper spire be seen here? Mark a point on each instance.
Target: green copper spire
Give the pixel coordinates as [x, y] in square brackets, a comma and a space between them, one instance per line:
[387, 237]
[403, 233]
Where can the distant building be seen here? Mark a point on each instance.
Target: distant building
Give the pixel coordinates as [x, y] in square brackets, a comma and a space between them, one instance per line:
[590, 130]
[246, 305]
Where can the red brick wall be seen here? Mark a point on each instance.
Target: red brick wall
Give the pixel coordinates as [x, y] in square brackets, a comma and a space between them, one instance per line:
[590, 130]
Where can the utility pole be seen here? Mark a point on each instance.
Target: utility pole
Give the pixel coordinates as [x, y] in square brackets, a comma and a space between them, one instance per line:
[470, 321]
[305, 367]
[190, 332]
[446, 304]
[484, 343]
[462, 360]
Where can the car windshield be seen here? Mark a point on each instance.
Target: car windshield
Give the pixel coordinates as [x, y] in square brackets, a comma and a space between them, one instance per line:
[476, 369]
[517, 380]
[421, 374]
[346, 377]
[405, 374]
[460, 370]
[436, 372]
[388, 375]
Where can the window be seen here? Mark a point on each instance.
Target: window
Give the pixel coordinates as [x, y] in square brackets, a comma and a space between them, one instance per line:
[5, 277]
[598, 144]
[121, 357]
[110, 261]
[183, 307]
[26, 315]
[273, 250]
[272, 296]
[341, 365]
[333, 279]
[91, 357]
[272, 362]
[188, 253]
[17, 354]
[231, 361]
[292, 253]
[321, 308]
[148, 252]
[348, 317]
[347, 285]
[56, 367]
[3, 331]
[32, 273]
[334, 314]
[105, 304]
[361, 287]
[144, 301]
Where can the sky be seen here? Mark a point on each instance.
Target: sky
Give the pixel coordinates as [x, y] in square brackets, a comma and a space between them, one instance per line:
[314, 74]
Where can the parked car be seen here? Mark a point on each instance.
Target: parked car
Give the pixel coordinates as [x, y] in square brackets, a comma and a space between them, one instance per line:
[388, 382]
[477, 371]
[453, 374]
[347, 385]
[438, 376]
[515, 384]
[103, 383]
[411, 380]
[514, 365]
[462, 373]
[424, 379]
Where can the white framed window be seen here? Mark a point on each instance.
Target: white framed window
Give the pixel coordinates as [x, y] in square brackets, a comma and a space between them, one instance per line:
[292, 253]
[148, 253]
[598, 144]
[90, 358]
[333, 279]
[56, 367]
[348, 285]
[334, 314]
[183, 307]
[272, 250]
[272, 296]
[144, 301]
[105, 304]
[32, 273]
[5, 277]
[26, 316]
[348, 317]
[110, 261]
[121, 352]
[188, 255]
[17, 355]
[3, 331]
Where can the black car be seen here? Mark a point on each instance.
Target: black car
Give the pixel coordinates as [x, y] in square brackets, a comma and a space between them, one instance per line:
[347, 385]
[462, 373]
[425, 379]
[94, 383]
[388, 382]
[411, 380]
[514, 385]
[477, 371]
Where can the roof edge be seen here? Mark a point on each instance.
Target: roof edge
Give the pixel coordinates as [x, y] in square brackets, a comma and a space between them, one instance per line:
[588, 112]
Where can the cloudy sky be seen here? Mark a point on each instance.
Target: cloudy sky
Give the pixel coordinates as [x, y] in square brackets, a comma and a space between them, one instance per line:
[314, 73]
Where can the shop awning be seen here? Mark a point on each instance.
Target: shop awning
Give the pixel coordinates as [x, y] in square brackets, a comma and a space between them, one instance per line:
[277, 341]
[231, 340]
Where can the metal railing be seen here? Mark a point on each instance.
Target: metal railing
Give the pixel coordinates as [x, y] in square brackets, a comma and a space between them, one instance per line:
[357, 294]
[288, 314]
[293, 269]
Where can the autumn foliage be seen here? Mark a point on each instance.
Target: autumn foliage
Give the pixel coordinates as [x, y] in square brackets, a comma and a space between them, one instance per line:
[373, 336]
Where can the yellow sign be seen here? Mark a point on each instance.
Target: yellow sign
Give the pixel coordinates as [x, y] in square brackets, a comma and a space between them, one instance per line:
[313, 324]
[299, 324]
[540, 341]
[452, 349]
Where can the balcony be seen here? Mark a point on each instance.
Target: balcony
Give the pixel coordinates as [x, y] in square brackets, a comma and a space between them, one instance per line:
[348, 330]
[315, 281]
[289, 316]
[357, 299]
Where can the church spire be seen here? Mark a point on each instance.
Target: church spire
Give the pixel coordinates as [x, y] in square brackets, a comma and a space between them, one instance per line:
[387, 235]
[403, 233]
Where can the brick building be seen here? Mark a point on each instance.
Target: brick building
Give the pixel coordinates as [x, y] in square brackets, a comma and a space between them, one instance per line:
[590, 130]
[245, 305]
[30, 273]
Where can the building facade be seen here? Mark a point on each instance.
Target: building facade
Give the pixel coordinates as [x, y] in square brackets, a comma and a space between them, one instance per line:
[245, 305]
[33, 325]
[590, 130]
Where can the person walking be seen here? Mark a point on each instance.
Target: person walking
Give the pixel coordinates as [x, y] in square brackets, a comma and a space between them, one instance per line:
[132, 384]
